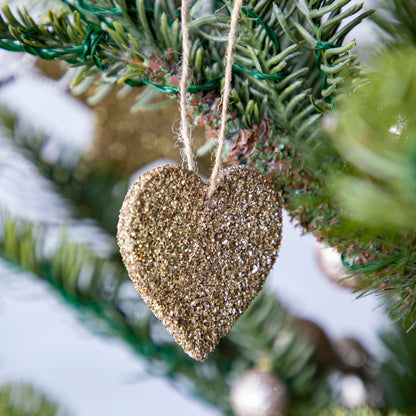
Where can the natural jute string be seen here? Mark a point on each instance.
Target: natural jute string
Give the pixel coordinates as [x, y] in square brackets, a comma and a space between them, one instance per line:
[225, 93]
[185, 130]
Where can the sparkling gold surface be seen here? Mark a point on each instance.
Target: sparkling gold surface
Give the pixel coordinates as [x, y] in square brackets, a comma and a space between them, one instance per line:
[199, 265]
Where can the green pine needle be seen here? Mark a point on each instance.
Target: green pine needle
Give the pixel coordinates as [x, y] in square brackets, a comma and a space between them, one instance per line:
[18, 399]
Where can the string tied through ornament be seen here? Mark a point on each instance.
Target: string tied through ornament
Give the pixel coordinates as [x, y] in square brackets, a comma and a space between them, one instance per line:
[185, 134]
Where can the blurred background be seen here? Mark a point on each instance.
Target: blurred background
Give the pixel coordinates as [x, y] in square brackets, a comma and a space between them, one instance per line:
[67, 160]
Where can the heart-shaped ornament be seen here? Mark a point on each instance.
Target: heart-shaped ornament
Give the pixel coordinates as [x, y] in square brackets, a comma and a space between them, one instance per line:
[198, 264]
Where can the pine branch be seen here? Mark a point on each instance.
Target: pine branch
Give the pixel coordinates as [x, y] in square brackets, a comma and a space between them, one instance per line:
[94, 191]
[376, 188]
[141, 46]
[338, 411]
[18, 399]
[398, 20]
[398, 375]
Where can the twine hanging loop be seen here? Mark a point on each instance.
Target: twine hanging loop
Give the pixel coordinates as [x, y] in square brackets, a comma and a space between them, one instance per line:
[225, 93]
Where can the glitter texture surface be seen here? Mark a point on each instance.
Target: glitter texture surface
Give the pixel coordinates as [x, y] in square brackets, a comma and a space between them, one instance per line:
[198, 265]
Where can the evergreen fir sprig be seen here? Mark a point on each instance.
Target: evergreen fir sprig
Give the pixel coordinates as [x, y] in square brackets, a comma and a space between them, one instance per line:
[288, 354]
[18, 399]
[377, 189]
[339, 411]
[398, 371]
[94, 193]
[65, 37]
[398, 20]
[121, 39]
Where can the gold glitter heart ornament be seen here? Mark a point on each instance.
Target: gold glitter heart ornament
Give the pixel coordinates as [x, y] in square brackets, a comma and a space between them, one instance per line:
[199, 265]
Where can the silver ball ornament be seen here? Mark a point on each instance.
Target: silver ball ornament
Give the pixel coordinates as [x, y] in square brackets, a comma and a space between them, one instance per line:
[329, 261]
[353, 393]
[259, 393]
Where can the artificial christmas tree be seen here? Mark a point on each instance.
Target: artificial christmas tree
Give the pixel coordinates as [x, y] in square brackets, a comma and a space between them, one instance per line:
[336, 142]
